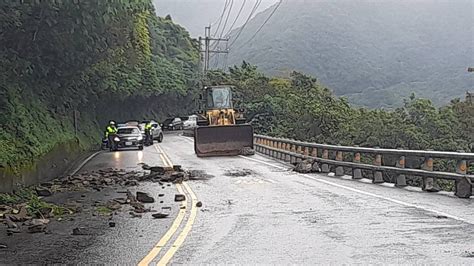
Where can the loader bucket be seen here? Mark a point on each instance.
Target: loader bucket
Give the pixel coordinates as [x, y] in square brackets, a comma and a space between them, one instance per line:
[222, 140]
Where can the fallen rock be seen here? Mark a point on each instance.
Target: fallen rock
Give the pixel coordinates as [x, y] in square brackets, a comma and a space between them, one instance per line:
[37, 225]
[161, 195]
[11, 231]
[20, 215]
[315, 168]
[113, 205]
[304, 166]
[111, 224]
[130, 197]
[79, 231]
[246, 151]
[43, 191]
[179, 197]
[131, 183]
[199, 204]
[121, 200]
[10, 223]
[157, 169]
[135, 215]
[177, 168]
[160, 215]
[144, 197]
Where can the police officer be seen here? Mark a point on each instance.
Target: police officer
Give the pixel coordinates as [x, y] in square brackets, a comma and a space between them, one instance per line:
[148, 135]
[110, 132]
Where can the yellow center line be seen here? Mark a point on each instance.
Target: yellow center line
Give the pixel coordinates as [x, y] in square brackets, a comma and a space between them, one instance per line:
[166, 162]
[187, 228]
[169, 234]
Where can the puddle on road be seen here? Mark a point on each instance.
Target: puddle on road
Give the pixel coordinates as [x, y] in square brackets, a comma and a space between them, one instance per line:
[198, 175]
[239, 172]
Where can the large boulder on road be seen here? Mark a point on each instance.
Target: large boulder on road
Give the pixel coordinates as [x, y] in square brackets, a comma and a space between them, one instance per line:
[144, 197]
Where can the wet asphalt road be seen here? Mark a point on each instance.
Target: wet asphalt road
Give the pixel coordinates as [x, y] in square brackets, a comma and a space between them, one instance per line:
[275, 216]
[278, 217]
[256, 211]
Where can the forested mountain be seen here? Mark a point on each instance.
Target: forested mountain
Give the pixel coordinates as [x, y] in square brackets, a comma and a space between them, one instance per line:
[92, 60]
[374, 52]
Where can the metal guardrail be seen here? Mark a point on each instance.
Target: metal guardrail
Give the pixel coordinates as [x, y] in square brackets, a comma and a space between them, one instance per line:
[294, 151]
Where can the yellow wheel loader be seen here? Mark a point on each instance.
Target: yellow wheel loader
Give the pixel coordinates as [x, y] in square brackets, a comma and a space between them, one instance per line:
[221, 129]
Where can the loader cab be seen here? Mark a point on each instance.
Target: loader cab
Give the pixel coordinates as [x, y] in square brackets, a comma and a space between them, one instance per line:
[219, 97]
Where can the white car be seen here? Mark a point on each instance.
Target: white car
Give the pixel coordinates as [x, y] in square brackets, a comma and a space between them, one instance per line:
[156, 131]
[191, 122]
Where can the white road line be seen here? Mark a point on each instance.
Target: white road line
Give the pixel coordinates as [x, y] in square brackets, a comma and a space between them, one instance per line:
[85, 162]
[360, 191]
[368, 193]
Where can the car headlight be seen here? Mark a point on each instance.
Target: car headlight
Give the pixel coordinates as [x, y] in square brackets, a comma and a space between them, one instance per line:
[116, 139]
[140, 137]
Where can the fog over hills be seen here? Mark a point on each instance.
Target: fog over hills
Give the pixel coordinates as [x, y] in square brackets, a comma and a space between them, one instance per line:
[373, 52]
[194, 15]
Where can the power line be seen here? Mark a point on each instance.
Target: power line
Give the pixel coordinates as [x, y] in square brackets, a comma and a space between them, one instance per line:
[227, 18]
[221, 17]
[236, 18]
[257, 3]
[265, 22]
[216, 44]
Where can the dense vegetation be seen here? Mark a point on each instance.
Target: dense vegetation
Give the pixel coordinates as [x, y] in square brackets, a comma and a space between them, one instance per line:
[103, 59]
[374, 52]
[301, 108]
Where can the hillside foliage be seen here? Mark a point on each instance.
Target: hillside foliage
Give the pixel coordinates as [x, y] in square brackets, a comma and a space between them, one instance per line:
[301, 108]
[101, 59]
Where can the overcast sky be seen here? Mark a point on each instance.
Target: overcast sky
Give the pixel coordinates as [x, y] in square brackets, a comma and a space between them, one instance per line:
[194, 15]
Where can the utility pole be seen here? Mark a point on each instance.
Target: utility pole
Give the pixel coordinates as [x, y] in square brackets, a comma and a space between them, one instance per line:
[207, 51]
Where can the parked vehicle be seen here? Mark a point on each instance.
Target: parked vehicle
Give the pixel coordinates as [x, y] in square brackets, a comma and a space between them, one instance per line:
[173, 124]
[157, 132]
[190, 122]
[128, 136]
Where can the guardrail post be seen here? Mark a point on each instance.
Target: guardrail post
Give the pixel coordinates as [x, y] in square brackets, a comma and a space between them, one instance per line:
[378, 175]
[278, 153]
[463, 185]
[429, 183]
[325, 166]
[401, 180]
[293, 150]
[356, 172]
[298, 151]
[314, 152]
[339, 169]
[287, 156]
[306, 151]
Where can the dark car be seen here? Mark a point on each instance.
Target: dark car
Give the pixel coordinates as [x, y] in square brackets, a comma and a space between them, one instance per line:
[173, 124]
[130, 136]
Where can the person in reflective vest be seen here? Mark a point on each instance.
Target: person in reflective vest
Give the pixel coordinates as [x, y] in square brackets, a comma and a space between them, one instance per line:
[110, 131]
[148, 136]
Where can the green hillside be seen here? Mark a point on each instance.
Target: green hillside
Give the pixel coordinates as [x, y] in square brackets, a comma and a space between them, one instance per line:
[375, 53]
[101, 59]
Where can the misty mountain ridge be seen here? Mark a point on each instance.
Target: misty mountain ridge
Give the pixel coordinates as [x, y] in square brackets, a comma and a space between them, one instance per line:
[375, 53]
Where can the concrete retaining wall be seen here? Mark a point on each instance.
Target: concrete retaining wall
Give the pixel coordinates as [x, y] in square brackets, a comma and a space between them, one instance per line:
[54, 164]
